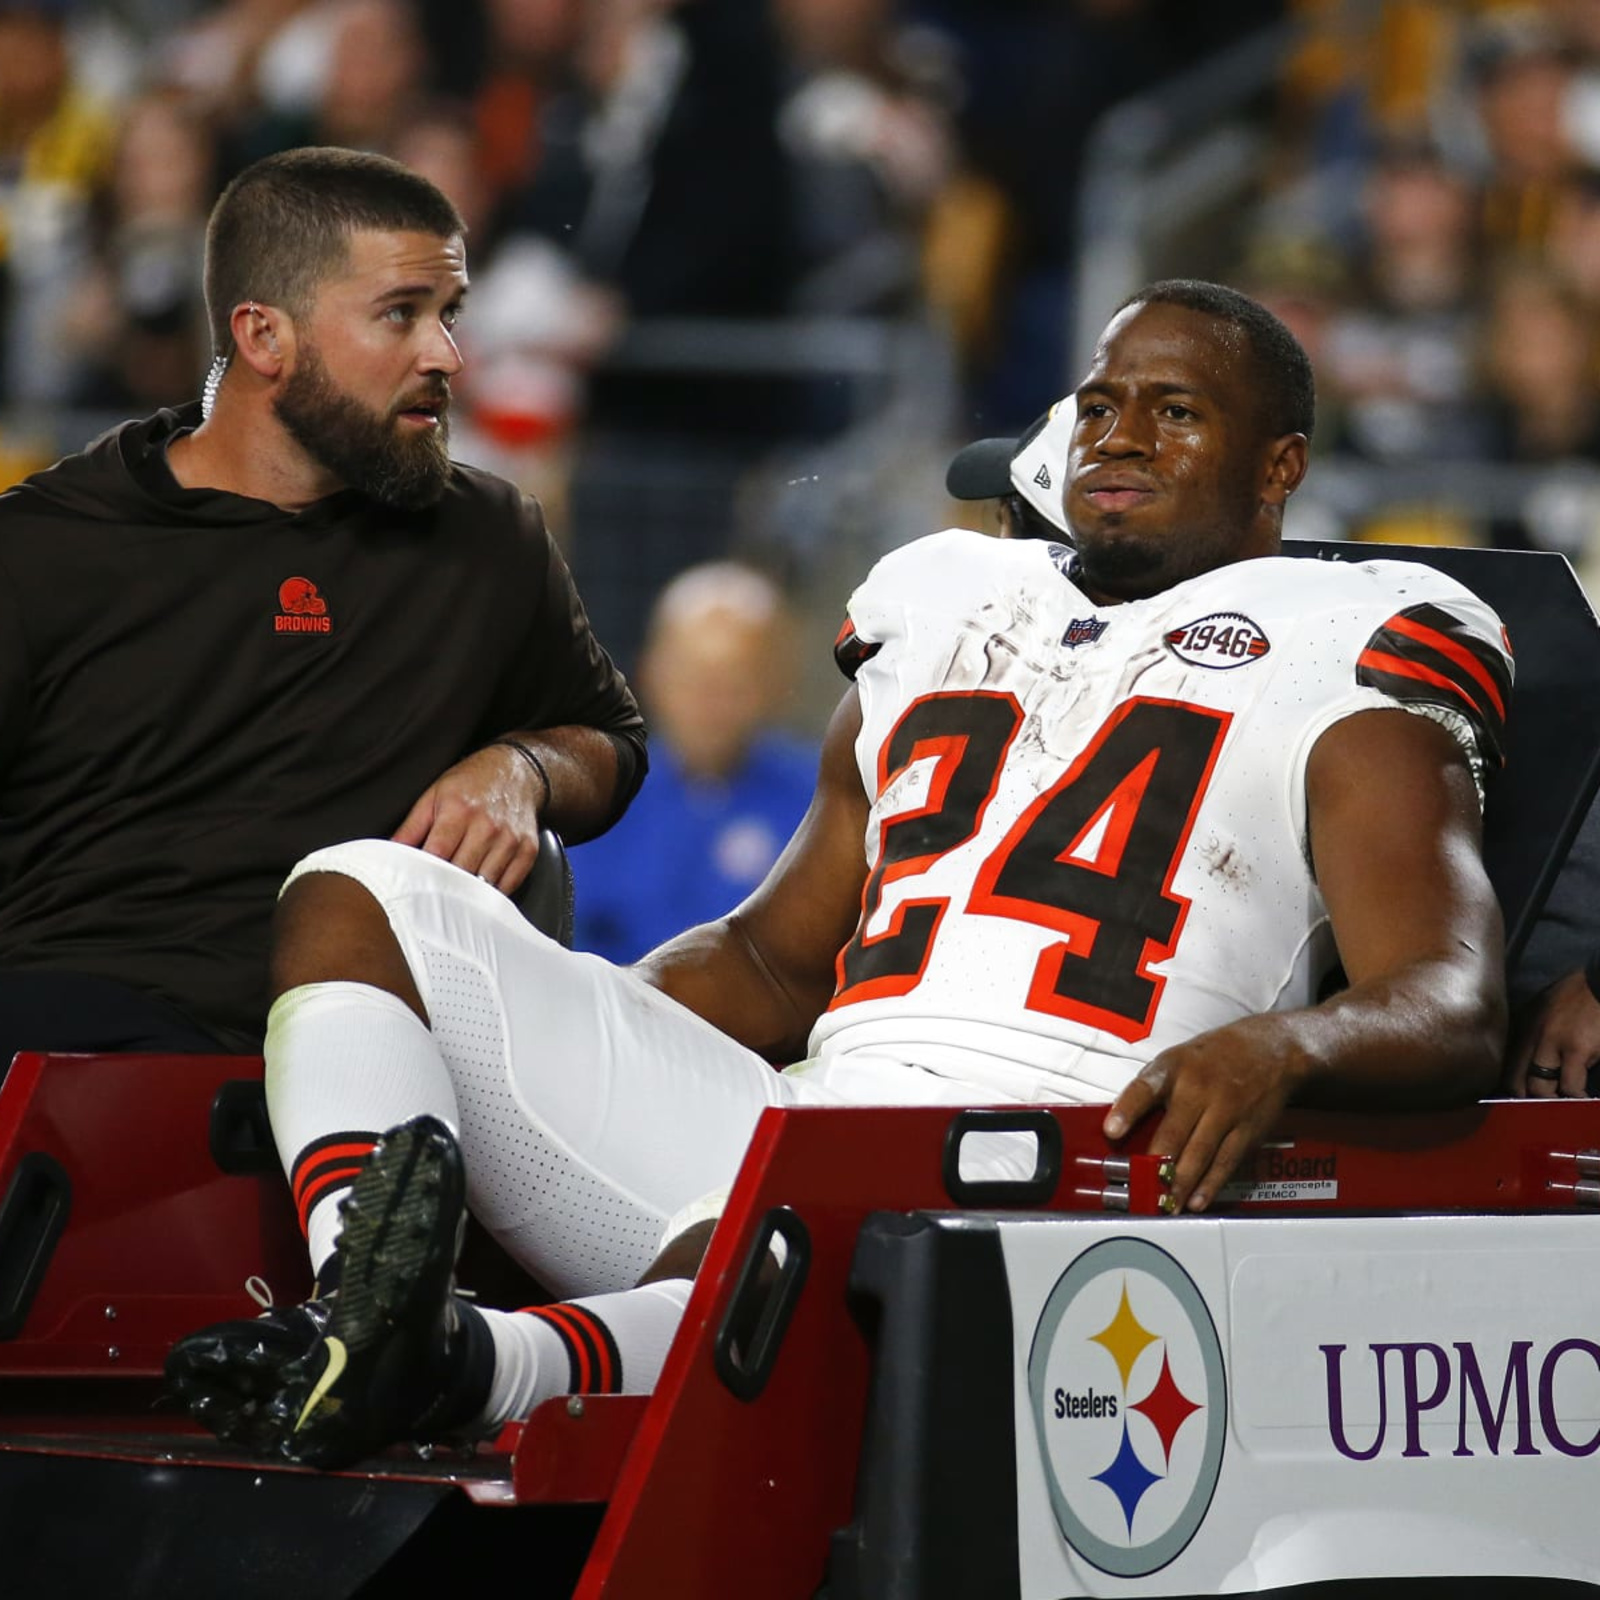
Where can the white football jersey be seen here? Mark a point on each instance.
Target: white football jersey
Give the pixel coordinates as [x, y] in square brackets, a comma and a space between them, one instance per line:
[1087, 838]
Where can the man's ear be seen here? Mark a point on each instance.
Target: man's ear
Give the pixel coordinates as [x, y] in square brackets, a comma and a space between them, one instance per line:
[1287, 459]
[262, 335]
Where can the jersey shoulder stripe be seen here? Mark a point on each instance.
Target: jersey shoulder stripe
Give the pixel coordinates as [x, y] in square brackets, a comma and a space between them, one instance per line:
[851, 652]
[1425, 654]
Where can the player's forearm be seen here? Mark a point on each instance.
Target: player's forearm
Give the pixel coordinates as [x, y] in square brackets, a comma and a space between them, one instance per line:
[1432, 1034]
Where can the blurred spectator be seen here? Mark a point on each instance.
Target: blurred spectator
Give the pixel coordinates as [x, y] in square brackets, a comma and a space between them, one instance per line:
[866, 126]
[1304, 281]
[1540, 367]
[536, 329]
[439, 138]
[136, 320]
[1399, 360]
[376, 75]
[371, 78]
[535, 326]
[55, 146]
[671, 190]
[1523, 75]
[1540, 353]
[1574, 244]
[657, 156]
[725, 788]
[249, 57]
[532, 65]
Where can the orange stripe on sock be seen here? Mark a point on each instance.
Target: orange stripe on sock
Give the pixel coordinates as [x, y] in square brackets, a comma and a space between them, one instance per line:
[335, 1178]
[581, 1338]
[569, 1343]
[606, 1377]
[311, 1162]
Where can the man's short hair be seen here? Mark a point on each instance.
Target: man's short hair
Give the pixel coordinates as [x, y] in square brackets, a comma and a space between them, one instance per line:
[1283, 377]
[283, 226]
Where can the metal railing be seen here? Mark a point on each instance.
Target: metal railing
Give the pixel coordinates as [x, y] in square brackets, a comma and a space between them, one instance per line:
[1156, 165]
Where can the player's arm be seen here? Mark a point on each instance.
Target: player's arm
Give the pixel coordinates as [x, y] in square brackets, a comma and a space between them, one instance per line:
[484, 814]
[764, 972]
[1395, 838]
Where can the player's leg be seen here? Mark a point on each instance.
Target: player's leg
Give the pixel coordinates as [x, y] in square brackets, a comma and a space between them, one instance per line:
[507, 1363]
[593, 1111]
[348, 1053]
[348, 1048]
[592, 1108]
[406, 1357]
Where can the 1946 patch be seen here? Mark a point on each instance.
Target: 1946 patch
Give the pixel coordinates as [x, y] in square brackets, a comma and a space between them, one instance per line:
[1221, 641]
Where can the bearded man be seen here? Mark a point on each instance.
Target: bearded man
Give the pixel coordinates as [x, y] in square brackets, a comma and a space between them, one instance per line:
[276, 619]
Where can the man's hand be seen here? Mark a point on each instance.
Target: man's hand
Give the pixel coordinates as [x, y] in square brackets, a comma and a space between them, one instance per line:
[1222, 1091]
[483, 814]
[1557, 1043]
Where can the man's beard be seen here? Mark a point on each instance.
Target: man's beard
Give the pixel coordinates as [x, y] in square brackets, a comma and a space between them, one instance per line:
[363, 449]
[1132, 565]
[1126, 569]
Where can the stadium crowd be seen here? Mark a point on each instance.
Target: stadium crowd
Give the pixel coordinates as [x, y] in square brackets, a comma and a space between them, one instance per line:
[1428, 221]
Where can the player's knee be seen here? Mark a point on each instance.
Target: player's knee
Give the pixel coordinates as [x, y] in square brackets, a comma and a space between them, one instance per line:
[328, 928]
[681, 1257]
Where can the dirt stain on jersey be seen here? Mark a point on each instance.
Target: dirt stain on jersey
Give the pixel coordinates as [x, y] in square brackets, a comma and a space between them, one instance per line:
[1136, 667]
[1000, 648]
[1225, 864]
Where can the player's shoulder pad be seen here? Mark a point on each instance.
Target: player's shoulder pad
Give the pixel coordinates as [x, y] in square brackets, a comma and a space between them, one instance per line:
[939, 573]
[1438, 644]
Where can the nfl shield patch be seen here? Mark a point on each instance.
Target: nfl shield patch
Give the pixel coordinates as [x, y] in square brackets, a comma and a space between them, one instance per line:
[1082, 630]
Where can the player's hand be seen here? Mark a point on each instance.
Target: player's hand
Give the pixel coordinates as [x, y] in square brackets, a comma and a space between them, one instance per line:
[1222, 1093]
[1559, 1034]
[483, 814]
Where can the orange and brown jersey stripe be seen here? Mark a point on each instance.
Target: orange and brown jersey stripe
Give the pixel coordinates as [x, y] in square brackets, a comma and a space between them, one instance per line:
[594, 1362]
[1424, 654]
[326, 1165]
[850, 650]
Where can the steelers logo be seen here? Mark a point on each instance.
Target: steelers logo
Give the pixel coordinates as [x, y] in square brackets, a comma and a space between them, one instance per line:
[1129, 1399]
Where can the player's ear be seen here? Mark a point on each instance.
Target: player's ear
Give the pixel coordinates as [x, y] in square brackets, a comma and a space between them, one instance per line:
[1287, 459]
[260, 334]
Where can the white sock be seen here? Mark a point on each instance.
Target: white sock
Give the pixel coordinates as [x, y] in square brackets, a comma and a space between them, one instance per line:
[601, 1344]
[345, 1063]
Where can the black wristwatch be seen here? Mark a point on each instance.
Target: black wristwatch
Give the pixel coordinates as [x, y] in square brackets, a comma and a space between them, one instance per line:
[1591, 974]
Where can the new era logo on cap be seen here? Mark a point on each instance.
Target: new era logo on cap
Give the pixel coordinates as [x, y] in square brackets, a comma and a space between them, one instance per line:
[1039, 468]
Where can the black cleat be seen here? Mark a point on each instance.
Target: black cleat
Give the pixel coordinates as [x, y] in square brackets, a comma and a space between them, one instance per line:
[230, 1376]
[389, 1365]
